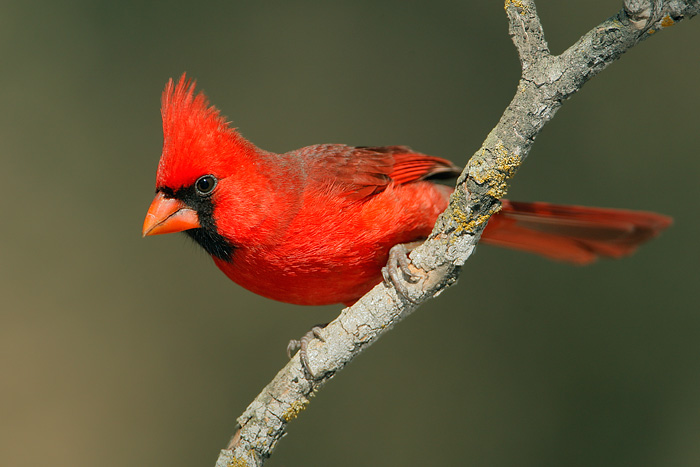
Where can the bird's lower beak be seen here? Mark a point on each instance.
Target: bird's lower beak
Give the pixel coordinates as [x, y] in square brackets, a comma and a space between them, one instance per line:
[168, 215]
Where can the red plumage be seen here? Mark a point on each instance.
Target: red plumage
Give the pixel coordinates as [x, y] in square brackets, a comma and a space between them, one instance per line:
[314, 226]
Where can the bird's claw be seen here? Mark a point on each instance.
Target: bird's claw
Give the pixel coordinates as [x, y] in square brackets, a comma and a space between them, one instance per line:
[302, 344]
[397, 271]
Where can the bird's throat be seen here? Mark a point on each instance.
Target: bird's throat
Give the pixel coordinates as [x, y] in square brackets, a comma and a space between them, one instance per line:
[213, 243]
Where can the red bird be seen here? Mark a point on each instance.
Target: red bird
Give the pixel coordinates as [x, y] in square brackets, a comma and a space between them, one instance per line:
[314, 226]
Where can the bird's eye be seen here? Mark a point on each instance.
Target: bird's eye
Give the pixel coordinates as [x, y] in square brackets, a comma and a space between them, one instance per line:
[204, 185]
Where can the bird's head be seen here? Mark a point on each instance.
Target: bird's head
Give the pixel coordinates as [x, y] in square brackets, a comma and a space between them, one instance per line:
[203, 168]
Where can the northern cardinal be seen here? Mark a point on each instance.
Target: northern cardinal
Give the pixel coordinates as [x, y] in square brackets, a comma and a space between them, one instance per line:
[314, 226]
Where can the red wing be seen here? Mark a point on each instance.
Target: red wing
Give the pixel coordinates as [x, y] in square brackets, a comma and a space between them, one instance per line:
[363, 171]
[412, 166]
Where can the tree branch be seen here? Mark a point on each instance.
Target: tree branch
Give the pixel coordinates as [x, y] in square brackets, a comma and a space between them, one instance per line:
[546, 82]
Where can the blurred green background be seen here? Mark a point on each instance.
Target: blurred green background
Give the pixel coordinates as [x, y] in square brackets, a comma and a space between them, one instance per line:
[117, 350]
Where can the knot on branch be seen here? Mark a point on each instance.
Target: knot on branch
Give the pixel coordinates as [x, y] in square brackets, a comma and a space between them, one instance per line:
[651, 15]
[638, 12]
[607, 37]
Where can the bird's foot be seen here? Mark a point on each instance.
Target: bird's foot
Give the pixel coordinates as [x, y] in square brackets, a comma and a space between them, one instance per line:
[302, 344]
[397, 270]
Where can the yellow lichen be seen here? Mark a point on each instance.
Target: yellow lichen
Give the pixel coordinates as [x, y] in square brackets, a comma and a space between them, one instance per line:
[466, 225]
[651, 31]
[666, 21]
[237, 463]
[515, 3]
[460, 219]
[506, 164]
[474, 223]
[294, 410]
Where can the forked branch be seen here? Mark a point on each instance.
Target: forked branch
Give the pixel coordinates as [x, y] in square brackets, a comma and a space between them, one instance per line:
[546, 82]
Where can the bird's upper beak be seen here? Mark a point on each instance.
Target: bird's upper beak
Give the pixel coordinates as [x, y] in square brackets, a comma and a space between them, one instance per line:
[168, 215]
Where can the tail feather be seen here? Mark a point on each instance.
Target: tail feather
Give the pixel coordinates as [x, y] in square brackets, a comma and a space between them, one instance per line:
[574, 234]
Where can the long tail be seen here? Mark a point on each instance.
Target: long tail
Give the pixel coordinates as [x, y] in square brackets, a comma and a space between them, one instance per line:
[575, 234]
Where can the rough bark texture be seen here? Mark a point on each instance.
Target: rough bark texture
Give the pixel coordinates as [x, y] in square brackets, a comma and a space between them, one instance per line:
[546, 82]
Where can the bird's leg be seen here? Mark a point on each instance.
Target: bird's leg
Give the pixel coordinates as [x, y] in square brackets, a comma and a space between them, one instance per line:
[302, 344]
[397, 270]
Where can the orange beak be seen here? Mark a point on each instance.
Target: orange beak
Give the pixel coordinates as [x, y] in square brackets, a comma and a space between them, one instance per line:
[168, 215]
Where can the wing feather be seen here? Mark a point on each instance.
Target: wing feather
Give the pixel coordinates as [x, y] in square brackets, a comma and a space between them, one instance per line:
[361, 171]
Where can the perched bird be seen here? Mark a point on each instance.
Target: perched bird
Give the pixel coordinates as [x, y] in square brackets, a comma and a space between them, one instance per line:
[314, 226]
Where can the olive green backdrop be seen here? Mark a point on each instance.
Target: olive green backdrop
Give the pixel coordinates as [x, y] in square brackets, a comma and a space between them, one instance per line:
[122, 351]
